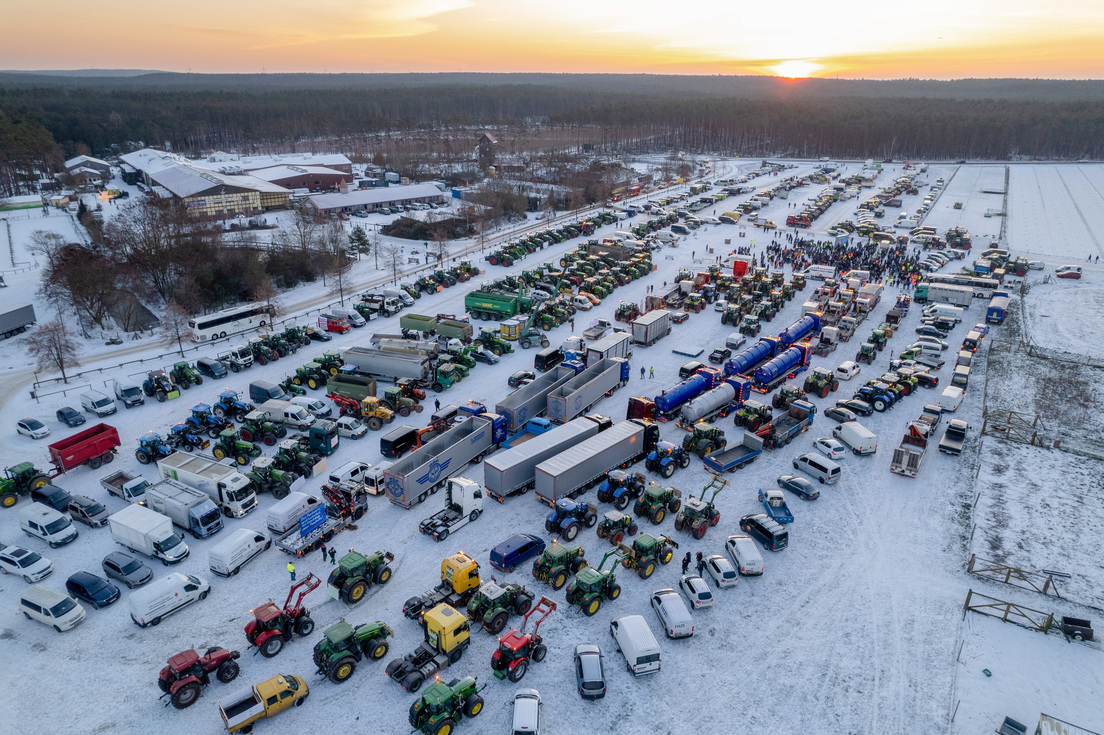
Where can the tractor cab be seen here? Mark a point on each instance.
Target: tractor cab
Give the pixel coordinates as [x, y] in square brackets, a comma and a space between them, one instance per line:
[184, 664]
[695, 507]
[268, 617]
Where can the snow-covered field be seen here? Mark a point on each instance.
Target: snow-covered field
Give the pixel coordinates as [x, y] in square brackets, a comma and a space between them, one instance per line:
[855, 628]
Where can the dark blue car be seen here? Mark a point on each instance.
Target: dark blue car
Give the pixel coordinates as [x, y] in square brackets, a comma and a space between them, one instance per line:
[92, 589]
[515, 550]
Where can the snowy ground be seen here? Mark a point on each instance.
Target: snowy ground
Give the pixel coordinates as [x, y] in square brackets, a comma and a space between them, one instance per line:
[855, 628]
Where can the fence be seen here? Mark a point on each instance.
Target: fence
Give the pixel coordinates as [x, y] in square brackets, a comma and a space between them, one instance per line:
[1012, 425]
[1014, 576]
[1009, 612]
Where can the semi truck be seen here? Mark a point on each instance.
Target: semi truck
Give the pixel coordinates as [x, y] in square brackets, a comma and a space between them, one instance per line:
[463, 504]
[669, 401]
[95, 447]
[188, 508]
[122, 484]
[531, 401]
[232, 491]
[652, 327]
[147, 532]
[16, 319]
[782, 368]
[782, 429]
[579, 394]
[389, 366]
[512, 471]
[573, 471]
[411, 479]
[726, 397]
[618, 344]
[397, 343]
[735, 456]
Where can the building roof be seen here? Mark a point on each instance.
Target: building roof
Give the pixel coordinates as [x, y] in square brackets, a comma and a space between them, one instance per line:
[365, 197]
[230, 161]
[277, 173]
[149, 160]
[81, 160]
[489, 137]
[184, 181]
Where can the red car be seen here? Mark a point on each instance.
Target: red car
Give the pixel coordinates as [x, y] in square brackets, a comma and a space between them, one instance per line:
[1069, 271]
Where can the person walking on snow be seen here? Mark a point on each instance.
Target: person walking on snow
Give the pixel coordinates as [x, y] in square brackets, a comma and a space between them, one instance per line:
[333, 555]
[651, 373]
[686, 562]
[291, 570]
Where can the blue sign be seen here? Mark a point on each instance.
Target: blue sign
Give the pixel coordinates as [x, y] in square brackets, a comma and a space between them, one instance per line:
[312, 519]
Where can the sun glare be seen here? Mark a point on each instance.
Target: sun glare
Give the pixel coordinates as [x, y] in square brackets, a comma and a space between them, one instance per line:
[795, 68]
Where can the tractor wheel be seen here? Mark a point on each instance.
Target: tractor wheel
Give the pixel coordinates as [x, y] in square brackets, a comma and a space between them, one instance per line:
[281, 432]
[673, 505]
[298, 381]
[498, 622]
[261, 360]
[404, 411]
[539, 652]
[186, 695]
[559, 580]
[375, 424]
[571, 531]
[517, 672]
[342, 669]
[647, 570]
[633, 529]
[699, 529]
[213, 432]
[621, 502]
[304, 627]
[525, 344]
[615, 539]
[638, 507]
[412, 684]
[666, 555]
[383, 575]
[356, 591]
[228, 671]
[590, 519]
[522, 605]
[269, 440]
[602, 531]
[378, 649]
[240, 417]
[246, 435]
[823, 392]
[667, 470]
[272, 646]
[684, 460]
[658, 516]
[879, 405]
[473, 706]
[218, 452]
[715, 519]
[835, 385]
[707, 449]
[591, 608]
[242, 459]
[7, 500]
[184, 383]
[312, 383]
[161, 396]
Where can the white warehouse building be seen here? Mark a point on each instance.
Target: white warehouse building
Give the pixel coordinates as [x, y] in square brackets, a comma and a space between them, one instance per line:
[370, 200]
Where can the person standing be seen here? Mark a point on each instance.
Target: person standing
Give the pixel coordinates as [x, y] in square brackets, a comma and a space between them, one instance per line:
[572, 324]
[642, 372]
[323, 547]
[436, 404]
[333, 555]
[291, 570]
[686, 562]
[701, 564]
[651, 373]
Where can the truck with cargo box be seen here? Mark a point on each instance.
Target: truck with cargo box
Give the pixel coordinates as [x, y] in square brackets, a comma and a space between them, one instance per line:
[187, 507]
[531, 401]
[618, 344]
[390, 366]
[231, 490]
[147, 532]
[652, 327]
[16, 319]
[512, 471]
[411, 479]
[94, 446]
[578, 395]
[574, 471]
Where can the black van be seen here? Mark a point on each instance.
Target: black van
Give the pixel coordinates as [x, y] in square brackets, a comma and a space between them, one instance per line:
[211, 367]
[548, 358]
[52, 496]
[261, 391]
[399, 441]
[765, 530]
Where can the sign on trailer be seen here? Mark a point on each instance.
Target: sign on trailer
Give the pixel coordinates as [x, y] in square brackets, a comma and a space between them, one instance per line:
[312, 519]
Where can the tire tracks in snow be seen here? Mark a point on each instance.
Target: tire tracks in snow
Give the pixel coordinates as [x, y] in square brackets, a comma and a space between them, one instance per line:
[1077, 208]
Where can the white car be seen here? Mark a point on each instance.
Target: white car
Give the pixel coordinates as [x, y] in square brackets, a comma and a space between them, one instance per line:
[722, 572]
[32, 428]
[711, 220]
[829, 447]
[848, 370]
[25, 563]
[951, 398]
[350, 427]
[527, 712]
[1035, 265]
[925, 340]
[720, 305]
[745, 555]
[672, 612]
[696, 591]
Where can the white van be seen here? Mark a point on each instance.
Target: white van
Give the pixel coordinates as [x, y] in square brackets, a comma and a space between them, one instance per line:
[745, 555]
[351, 315]
[43, 522]
[818, 466]
[944, 311]
[95, 402]
[369, 475]
[228, 556]
[50, 607]
[951, 398]
[860, 439]
[820, 272]
[735, 341]
[665, 236]
[285, 514]
[318, 408]
[635, 641]
[165, 596]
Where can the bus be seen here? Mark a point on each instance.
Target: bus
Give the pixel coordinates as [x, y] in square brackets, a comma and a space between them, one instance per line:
[228, 321]
[983, 287]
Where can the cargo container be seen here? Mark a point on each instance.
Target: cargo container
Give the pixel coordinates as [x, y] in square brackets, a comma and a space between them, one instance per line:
[531, 401]
[513, 471]
[618, 344]
[390, 366]
[574, 471]
[579, 394]
[147, 532]
[652, 327]
[187, 507]
[16, 319]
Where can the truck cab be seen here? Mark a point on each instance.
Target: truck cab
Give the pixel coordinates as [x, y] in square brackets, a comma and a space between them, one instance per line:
[271, 697]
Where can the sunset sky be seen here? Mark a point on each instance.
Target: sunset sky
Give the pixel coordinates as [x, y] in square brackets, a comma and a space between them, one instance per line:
[854, 38]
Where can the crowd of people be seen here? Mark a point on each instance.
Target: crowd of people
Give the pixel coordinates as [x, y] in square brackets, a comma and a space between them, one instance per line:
[890, 264]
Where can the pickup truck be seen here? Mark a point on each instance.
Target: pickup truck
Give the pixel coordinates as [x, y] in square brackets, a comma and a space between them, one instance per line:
[600, 329]
[735, 457]
[782, 429]
[954, 437]
[122, 484]
[775, 506]
[271, 697]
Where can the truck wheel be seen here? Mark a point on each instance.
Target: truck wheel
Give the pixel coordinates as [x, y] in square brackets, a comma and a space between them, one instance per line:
[517, 672]
[571, 532]
[498, 622]
[591, 608]
[455, 655]
[356, 591]
[272, 646]
[186, 695]
[438, 387]
[228, 672]
[559, 580]
[441, 536]
[342, 669]
[412, 684]
[658, 516]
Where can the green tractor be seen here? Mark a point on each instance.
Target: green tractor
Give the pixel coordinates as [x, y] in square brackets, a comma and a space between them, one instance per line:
[413, 292]
[494, 603]
[444, 377]
[262, 353]
[257, 427]
[229, 445]
[290, 387]
[731, 315]
[356, 572]
[557, 562]
[626, 311]
[646, 552]
[821, 382]
[592, 585]
[699, 514]
[397, 400]
[461, 358]
[492, 342]
[656, 502]
[441, 706]
[342, 647]
[425, 284]
[764, 310]
[296, 334]
[330, 361]
[878, 339]
[312, 374]
[750, 326]
[184, 375]
[798, 282]
[19, 480]
[788, 291]
[444, 278]
[267, 478]
[867, 352]
[703, 439]
[291, 457]
[782, 399]
[615, 525]
[278, 345]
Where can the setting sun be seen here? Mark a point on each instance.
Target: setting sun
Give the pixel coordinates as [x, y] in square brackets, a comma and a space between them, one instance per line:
[796, 68]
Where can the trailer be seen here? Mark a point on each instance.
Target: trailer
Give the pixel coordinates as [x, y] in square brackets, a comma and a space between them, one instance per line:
[431, 348]
[579, 394]
[418, 323]
[530, 401]
[908, 456]
[652, 327]
[411, 479]
[345, 504]
[783, 428]
[488, 305]
[455, 329]
[752, 356]
[618, 344]
[16, 319]
[669, 401]
[514, 471]
[574, 471]
[95, 447]
[726, 397]
[351, 385]
[782, 368]
[734, 457]
[389, 366]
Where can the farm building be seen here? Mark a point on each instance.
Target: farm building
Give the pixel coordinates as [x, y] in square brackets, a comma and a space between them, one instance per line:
[370, 200]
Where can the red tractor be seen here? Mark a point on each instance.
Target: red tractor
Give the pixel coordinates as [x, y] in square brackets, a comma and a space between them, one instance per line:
[517, 647]
[188, 672]
[272, 626]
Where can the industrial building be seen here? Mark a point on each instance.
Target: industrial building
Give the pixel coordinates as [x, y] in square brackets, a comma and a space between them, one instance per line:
[371, 200]
[231, 163]
[310, 178]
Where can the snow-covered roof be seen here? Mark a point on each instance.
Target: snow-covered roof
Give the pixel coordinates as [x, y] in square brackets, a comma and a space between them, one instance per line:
[149, 160]
[365, 197]
[81, 160]
[275, 173]
[185, 181]
[221, 160]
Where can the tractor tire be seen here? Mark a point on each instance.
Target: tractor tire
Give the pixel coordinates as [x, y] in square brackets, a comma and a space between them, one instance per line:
[602, 531]
[186, 695]
[633, 529]
[272, 646]
[312, 384]
[269, 440]
[615, 539]
[404, 411]
[242, 459]
[498, 622]
[638, 507]
[559, 580]
[473, 706]
[667, 470]
[570, 596]
[161, 396]
[246, 435]
[544, 342]
[590, 609]
[523, 605]
[835, 385]
[525, 344]
[213, 432]
[571, 531]
[228, 671]
[185, 383]
[658, 516]
[577, 564]
[375, 424]
[355, 592]
[281, 432]
[665, 555]
[673, 505]
[240, 417]
[378, 649]
[614, 591]
[707, 449]
[590, 519]
[382, 575]
[517, 672]
[261, 360]
[879, 405]
[715, 519]
[304, 626]
[684, 460]
[342, 669]
[647, 570]
[699, 529]
[218, 452]
[621, 502]
[280, 491]
[298, 381]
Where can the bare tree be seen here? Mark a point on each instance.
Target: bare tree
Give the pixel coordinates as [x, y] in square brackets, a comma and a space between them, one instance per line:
[45, 243]
[174, 325]
[392, 258]
[79, 278]
[52, 347]
[304, 230]
[338, 268]
[440, 246]
[265, 293]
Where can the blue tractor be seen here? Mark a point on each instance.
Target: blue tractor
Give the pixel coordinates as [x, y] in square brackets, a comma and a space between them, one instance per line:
[567, 515]
[158, 384]
[203, 421]
[151, 448]
[877, 394]
[183, 436]
[666, 458]
[230, 406]
[621, 487]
